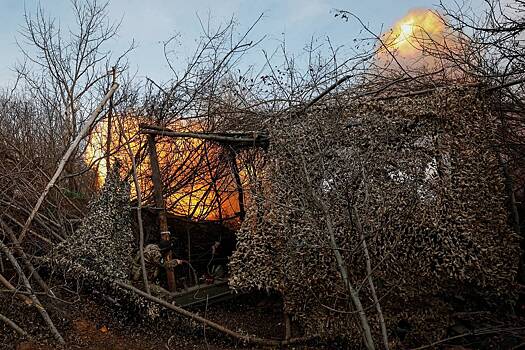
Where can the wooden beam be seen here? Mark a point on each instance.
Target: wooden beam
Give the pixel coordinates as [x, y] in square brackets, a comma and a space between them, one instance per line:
[159, 203]
[234, 139]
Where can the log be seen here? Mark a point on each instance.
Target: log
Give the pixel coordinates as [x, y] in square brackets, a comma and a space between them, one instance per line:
[233, 334]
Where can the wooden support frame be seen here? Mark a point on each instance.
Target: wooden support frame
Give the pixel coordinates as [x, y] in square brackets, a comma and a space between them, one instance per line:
[232, 140]
[159, 203]
[236, 140]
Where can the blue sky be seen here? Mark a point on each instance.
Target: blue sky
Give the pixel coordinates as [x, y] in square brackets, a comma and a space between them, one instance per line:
[150, 22]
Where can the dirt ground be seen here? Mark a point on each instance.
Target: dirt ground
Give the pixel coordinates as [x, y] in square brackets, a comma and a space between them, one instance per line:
[86, 324]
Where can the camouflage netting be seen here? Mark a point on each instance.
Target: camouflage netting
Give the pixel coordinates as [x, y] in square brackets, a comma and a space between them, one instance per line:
[420, 174]
[102, 245]
[100, 251]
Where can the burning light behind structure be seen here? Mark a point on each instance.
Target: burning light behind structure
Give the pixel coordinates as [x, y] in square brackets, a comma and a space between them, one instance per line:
[196, 174]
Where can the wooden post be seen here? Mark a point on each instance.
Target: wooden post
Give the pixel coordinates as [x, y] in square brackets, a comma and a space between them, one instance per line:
[188, 237]
[235, 171]
[110, 125]
[287, 326]
[159, 203]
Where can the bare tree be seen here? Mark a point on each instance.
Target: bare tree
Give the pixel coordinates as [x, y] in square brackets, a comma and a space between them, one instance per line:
[65, 64]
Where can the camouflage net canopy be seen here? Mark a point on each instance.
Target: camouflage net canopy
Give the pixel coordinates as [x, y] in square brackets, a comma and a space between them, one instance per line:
[102, 246]
[421, 176]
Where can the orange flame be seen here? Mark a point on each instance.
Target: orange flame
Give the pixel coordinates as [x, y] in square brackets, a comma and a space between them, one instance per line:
[411, 40]
[412, 32]
[201, 184]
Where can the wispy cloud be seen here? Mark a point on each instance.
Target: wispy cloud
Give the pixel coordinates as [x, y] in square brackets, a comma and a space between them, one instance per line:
[300, 11]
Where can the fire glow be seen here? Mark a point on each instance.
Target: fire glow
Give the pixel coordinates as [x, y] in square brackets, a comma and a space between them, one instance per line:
[410, 39]
[201, 186]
